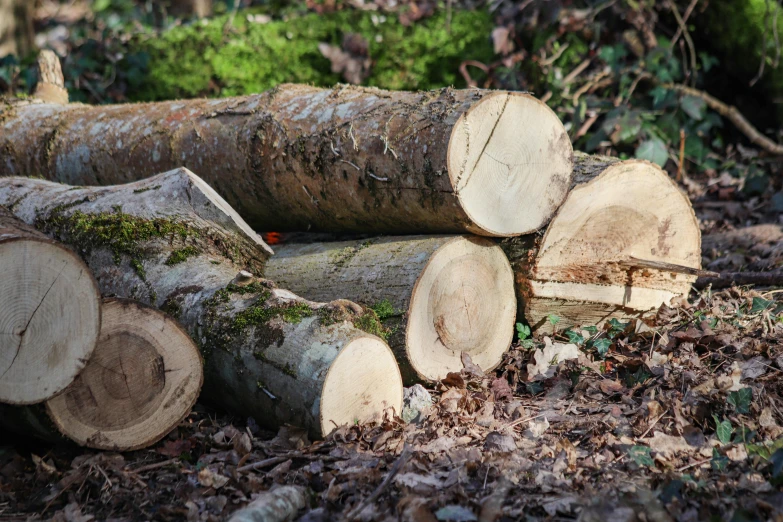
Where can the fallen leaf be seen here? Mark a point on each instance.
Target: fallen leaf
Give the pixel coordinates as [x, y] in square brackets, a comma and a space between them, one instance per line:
[547, 359]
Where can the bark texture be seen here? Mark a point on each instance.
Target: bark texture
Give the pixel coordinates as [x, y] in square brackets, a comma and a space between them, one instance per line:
[301, 158]
[267, 353]
[581, 269]
[436, 296]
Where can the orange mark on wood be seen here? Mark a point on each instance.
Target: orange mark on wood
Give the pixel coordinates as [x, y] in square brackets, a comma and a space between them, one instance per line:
[273, 238]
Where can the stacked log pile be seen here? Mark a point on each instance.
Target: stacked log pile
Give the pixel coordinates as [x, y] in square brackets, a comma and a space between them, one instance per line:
[186, 279]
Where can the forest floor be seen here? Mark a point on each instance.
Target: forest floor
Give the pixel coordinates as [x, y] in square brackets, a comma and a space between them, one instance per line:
[676, 418]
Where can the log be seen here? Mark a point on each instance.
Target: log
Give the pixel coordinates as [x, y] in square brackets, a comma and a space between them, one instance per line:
[625, 241]
[492, 163]
[140, 383]
[50, 314]
[437, 296]
[176, 245]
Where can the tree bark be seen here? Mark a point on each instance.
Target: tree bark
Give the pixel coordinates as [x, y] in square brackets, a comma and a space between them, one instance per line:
[49, 314]
[594, 260]
[436, 296]
[174, 244]
[299, 158]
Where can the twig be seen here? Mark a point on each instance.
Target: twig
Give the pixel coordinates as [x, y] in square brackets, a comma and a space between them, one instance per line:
[693, 465]
[688, 39]
[463, 70]
[586, 126]
[685, 17]
[733, 115]
[681, 166]
[230, 22]
[651, 426]
[521, 421]
[396, 468]
[552, 59]
[266, 462]
[579, 69]
[373, 176]
[157, 465]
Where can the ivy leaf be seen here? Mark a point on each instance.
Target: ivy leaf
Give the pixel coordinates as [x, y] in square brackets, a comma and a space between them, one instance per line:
[777, 463]
[553, 319]
[574, 337]
[718, 461]
[602, 346]
[741, 399]
[759, 305]
[723, 430]
[641, 455]
[693, 106]
[653, 150]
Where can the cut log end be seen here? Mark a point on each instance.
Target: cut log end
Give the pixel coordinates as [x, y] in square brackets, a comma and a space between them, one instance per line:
[463, 302]
[632, 210]
[362, 383]
[142, 380]
[510, 152]
[50, 318]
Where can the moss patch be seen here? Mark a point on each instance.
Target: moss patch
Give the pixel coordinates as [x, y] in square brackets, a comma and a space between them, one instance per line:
[370, 323]
[181, 255]
[119, 232]
[200, 59]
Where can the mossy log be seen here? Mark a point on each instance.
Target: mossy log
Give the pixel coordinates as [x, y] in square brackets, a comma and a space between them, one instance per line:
[435, 296]
[493, 163]
[50, 314]
[625, 241]
[171, 242]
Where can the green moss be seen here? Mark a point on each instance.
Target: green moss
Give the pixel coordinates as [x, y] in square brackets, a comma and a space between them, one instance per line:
[119, 232]
[172, 307]
[181, 255]
[370, 323]
[384, 309]
[200, 59]
[139, 191]
[138, 268]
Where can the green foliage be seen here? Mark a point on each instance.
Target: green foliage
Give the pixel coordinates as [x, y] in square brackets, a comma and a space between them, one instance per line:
[602, 346]
[641, 455]
[723, 429]
[201, 59]
[741, 399]
[524, 335]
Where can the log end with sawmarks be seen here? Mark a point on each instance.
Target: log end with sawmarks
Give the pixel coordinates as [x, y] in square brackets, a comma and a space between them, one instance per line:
[625, 241]
[142, 380]
[50, 314]
[436, 296]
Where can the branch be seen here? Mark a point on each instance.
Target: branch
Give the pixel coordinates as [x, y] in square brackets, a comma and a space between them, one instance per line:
[733, 115]
[729, 279]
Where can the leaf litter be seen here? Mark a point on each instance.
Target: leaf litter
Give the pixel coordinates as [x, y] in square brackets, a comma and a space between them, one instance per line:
[680, 418]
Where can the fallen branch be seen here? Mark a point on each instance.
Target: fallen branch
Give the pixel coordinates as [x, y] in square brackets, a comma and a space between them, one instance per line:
[733, 115]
